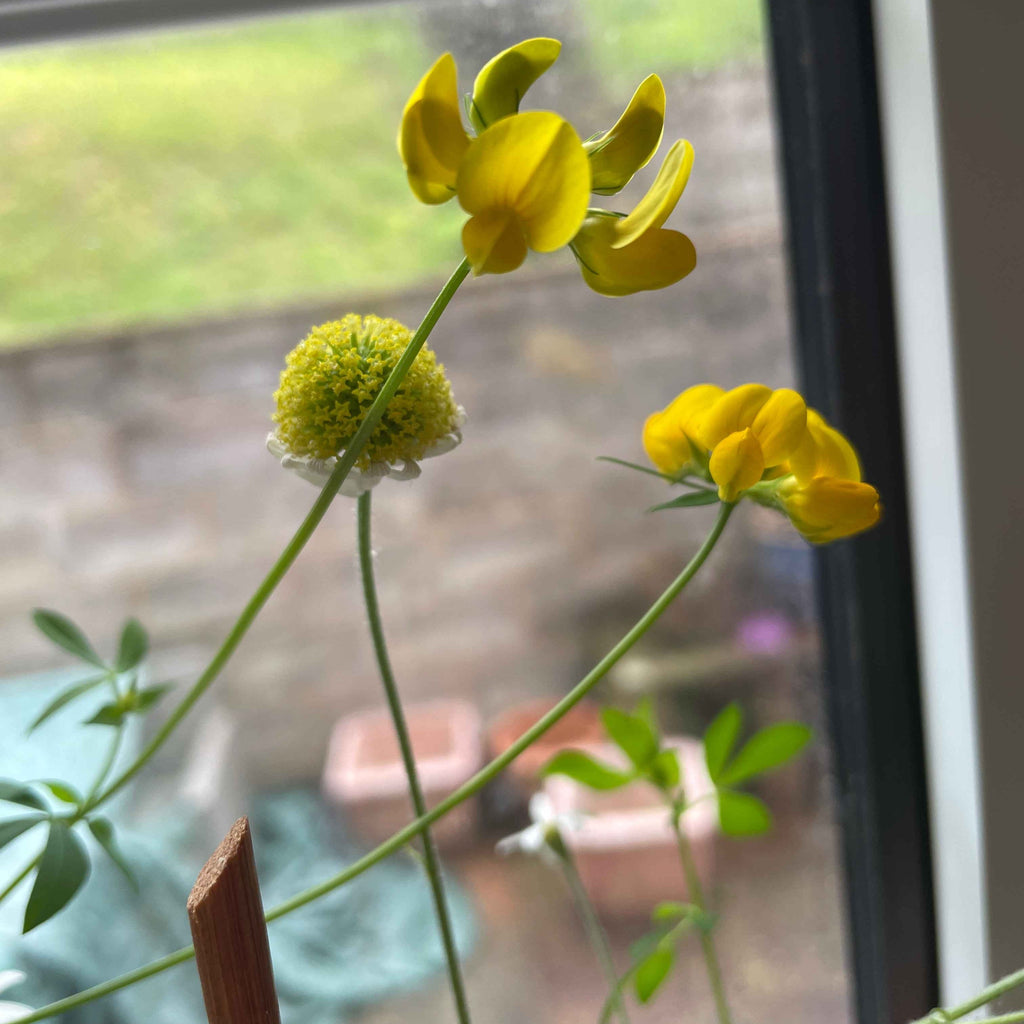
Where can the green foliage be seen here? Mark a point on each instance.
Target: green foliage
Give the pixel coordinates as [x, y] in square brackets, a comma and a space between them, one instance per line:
[742, 814]
[632, 734]
[18, 793]
[65, 634]
[133, 647]
[720, 739]
[66, 696]
[768, 749]
[586, 770]
[691, 500]
[62, 870]
[103, 833]
[62, 791]
[14, 827]
[664, 770]
[652, 971]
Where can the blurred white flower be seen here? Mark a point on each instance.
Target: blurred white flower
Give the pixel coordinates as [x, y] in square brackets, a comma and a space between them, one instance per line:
[11, 1011]
[543, 835]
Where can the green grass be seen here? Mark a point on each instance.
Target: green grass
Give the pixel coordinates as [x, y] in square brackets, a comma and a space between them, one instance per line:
[147, 179]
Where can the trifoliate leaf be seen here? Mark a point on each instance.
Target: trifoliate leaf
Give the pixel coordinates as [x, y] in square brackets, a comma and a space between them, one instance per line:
[586, 770]
[133, 647]
[632, 734]
[720, 738]
[664, 771]
[66, 635]
[66, 697]
[765, 750]
[742, 814]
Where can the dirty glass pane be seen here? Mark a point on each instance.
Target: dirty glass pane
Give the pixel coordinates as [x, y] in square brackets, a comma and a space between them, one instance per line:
[176, 210]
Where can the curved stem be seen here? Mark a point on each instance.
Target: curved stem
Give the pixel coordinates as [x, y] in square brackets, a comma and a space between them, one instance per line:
[595, 932]
[986, 995]
[90, 800]
[22, 875]
[302, 535]
[430, 859]
[707, 941]
[466, 790]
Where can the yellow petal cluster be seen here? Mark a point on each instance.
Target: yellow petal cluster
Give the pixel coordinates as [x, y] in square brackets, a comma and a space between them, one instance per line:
[525, 178]
[765, 444]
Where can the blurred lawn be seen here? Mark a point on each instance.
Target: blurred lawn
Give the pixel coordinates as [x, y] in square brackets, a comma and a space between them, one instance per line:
[248, 165]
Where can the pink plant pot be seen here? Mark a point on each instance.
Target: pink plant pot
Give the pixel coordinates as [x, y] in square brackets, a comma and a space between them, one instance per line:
[625, 847]
[364, 773]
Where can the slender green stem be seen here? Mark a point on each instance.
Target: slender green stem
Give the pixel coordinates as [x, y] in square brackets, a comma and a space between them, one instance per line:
[986, 995]
[468, 789]
[1006, 1018]
[302, 535]
[595, 932]
[108, 763]
[707, 941]
[431, 863]
[22, 875]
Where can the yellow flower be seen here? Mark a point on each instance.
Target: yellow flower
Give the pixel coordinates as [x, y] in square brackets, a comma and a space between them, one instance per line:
[768, 446]
[503, 80]
[526, 182]
[622, 255]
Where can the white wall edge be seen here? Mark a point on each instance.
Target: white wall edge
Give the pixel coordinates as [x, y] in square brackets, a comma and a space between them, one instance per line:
[907, 97]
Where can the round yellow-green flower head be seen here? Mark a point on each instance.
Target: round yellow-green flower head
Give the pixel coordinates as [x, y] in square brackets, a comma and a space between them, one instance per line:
[330, 380]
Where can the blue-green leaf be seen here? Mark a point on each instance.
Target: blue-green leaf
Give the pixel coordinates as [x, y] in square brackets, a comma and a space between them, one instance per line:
[109, 714]
[652, 971]
[691, 500]
[720, 738]
[742, 814]
[62, 791]
[586, 770]
[632, 734]
[148, 696]
[62, 870]
[66, 635]
[133, 647]
[14, 827]
[103, 832]
[66, 697]
[766, 750]
[18, 793]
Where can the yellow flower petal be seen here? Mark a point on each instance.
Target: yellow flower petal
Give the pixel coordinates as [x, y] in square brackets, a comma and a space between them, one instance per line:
[827, 509]
[736, 464]
[734, 411]
[494, 242]
[653, 210]
[617, 154]
[688, 408]
[503, 80]
[533, 166]
[431, 139]
[654, 260]
[824, 451]
[666, 445]
[780, 425]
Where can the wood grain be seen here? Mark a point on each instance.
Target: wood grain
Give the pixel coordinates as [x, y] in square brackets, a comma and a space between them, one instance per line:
[225, 911]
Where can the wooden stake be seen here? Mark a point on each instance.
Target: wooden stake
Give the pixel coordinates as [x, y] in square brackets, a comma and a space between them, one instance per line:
[232, 951]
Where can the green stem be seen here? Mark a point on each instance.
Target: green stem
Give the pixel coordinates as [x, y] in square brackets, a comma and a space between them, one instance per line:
[305, 531]
[468, 789]
[707, 941]
[986, 995]
[22, 875]
[595, 932]
[430, 859]
[90, 800]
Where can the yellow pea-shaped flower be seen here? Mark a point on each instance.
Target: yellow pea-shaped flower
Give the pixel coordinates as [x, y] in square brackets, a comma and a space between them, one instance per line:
[504, 79]
[669, 434]
[824, 451]
[827, 508]
[736, 464]
[525, 182]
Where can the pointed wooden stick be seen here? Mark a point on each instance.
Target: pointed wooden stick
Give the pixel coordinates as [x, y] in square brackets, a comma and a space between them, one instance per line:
[232, 951]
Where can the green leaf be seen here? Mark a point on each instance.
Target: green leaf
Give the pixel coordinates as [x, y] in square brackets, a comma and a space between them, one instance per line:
[109, 714]
[632, 734]
[741, 814]
[18, 793]
[664, 771]
[672, 910]
[652, 972]
[691, 500]
[766, 750]
[14, 827]
[66, 697]
[148, 696]
[65, 634]
[62, 791]
[62, 870]
[103, 832]
[720, 738]
[133, 647]
[634, 465]
[586, 771]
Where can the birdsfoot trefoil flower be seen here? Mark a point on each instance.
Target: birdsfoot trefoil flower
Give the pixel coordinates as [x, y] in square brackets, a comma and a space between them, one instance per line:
[329, 382]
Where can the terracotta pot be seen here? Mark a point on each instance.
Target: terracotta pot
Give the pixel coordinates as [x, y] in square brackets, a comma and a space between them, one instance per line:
[625, 847]
[365, 776]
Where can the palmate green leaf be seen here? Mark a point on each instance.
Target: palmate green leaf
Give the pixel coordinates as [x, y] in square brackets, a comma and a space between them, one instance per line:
[664, 771]
[62, 791]
[103, 832]
[18, 793]
[62, 870]
[14, 827]
[741, 814]
[652, 971]
[66, 697]
[66, 635]
[691, 500]
[133, 647]
[587, 771]
[720, 738]
[632, 734]
[765, 750]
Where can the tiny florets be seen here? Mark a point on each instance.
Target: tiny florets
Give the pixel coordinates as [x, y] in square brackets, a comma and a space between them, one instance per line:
[332, 377]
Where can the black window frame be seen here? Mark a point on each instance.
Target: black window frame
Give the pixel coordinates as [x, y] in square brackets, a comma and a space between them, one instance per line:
[829, 141]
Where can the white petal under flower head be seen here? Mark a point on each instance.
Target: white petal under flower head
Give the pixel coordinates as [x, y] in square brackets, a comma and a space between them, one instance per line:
[545, 824]
[317, 471]
[12, 1011]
